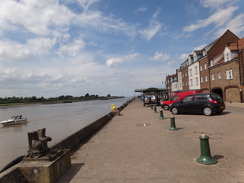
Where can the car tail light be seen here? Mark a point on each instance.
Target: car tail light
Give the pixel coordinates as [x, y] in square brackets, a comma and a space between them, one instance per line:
[213, 101]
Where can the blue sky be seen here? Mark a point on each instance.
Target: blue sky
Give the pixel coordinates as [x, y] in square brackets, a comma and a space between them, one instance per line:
[72, 47]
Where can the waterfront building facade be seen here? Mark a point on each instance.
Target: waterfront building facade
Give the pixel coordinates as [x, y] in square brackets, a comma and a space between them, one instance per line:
[217, 68]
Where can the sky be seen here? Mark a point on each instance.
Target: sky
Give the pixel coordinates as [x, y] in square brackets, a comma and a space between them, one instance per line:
[50, 48]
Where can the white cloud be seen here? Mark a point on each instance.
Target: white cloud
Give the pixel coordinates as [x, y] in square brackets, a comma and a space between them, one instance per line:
[160, 57]
[41, 46]
[183, 57]
[74, 48]
[11, 51]
[153, 28]
[236, 25]
[106, 24]
[199, 47]
[141, 9]
[87, 3]
[219, 18]
[118, 60]
[214, 3]
[38, 17]
[151, 31]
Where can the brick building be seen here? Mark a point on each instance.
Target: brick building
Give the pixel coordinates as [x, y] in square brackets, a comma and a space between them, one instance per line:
[217, 68]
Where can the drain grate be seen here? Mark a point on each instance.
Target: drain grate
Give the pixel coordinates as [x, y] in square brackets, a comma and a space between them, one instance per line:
[143, 124]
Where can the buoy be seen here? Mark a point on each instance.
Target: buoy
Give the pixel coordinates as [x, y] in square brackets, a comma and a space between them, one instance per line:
[172, 124]
[205, 157]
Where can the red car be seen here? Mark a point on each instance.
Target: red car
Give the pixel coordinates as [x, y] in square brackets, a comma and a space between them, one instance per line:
[176, 97]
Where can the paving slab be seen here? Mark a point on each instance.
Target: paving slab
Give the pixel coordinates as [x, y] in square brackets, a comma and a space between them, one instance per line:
[137, 147]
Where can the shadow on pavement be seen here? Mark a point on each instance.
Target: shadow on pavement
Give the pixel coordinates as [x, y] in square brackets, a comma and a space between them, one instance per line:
[70, 174]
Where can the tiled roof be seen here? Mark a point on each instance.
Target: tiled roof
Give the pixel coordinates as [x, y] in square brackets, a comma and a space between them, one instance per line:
[235, 46]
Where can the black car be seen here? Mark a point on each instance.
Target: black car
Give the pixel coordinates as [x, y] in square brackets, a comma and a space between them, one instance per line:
[206, 103]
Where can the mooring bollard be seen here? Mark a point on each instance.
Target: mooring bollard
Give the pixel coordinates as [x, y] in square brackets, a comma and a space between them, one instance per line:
[161, 114]
[155, 109]
[172, 124]
[205, 157]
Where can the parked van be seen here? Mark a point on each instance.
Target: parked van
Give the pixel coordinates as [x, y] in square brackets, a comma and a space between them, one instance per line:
[176, 97]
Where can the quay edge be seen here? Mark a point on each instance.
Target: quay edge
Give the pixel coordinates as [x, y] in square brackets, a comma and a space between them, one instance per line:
[73, 142]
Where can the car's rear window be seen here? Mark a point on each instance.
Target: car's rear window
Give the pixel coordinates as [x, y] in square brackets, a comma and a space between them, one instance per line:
[215, 97]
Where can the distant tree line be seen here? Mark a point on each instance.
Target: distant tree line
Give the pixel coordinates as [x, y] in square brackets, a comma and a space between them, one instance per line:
[59, 99]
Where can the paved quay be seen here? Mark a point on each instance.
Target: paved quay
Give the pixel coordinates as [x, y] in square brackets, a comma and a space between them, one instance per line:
[137, 147]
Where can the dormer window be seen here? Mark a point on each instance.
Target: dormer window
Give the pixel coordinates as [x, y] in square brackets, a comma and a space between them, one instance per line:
[195, 58]
[227, 57]
[211, 62]
[204, 53]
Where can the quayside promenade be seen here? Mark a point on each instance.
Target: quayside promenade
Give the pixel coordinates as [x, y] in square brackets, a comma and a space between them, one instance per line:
[137, 147]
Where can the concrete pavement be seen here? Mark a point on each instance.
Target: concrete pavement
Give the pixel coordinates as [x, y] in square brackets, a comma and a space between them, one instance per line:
[137, 147]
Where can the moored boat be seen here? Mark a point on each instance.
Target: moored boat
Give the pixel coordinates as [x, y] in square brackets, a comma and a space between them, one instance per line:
[14, 120]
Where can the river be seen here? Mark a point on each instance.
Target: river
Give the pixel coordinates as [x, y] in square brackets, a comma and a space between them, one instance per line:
[60, 121]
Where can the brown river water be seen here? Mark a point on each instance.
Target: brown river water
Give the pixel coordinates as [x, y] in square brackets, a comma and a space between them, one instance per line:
[60, 121]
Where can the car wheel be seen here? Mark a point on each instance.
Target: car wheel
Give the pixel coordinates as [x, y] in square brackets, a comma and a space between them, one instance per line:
[174, 110]
[207, 111]
[166, 107]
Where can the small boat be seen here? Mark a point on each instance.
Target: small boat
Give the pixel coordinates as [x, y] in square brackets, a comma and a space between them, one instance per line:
[14, 120]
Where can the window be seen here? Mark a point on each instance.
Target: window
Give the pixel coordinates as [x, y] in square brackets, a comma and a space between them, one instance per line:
[196, 81]
[175, 98]
[191, 82]
[201, 79]
[206, 78]
[219, 76]
[190, 72]
[227, 57]
[187, 99]
[200, 68]
[212, 76]
[211, 63]
[205, 66]
[229, 74]
[196, 70]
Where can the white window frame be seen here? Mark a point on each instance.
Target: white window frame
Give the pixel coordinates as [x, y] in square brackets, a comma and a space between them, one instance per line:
[206, 78]
[196, 70]
[201, 79]
[211, 62]
[229, 74]
[212, 76]
[196, 81]
[205, 66]
[219, 75]
[200, 68]
[190, 72]
[191, 82]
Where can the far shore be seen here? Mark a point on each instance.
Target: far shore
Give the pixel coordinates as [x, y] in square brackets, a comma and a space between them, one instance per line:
[9, 105]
